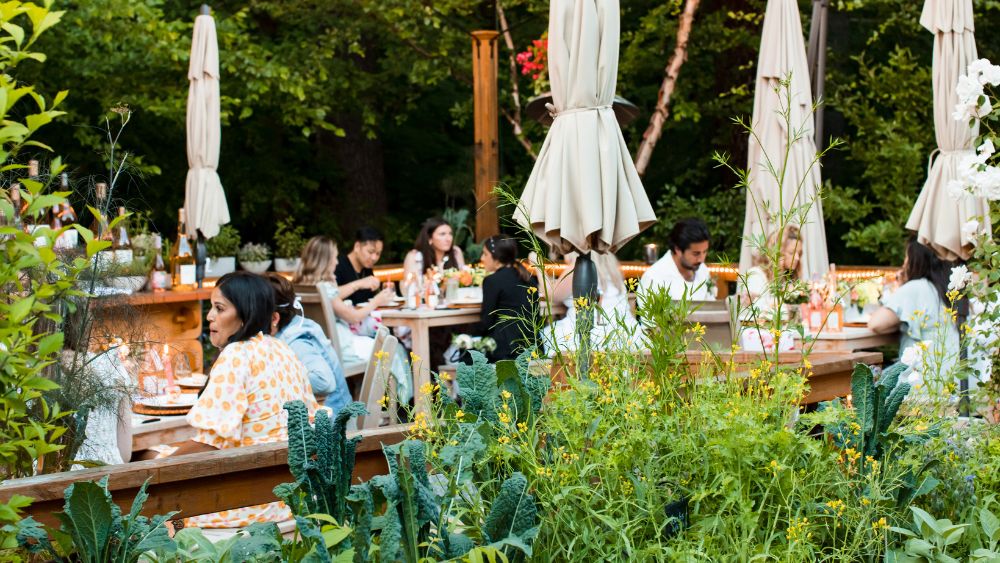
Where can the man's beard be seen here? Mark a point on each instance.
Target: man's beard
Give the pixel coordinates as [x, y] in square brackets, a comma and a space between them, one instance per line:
[689, 267]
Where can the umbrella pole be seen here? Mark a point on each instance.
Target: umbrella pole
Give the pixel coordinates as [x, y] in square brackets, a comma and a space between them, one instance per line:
[200, 257]
[585, 287]
[816, 58]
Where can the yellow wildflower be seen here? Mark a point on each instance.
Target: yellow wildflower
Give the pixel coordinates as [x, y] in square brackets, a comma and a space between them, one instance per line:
[532, 290]
[503, 440]
[414, 358]
[505, 394]
[504, 417]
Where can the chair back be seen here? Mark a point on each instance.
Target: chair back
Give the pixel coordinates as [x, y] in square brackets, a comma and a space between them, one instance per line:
[317, 305]
[379, 382]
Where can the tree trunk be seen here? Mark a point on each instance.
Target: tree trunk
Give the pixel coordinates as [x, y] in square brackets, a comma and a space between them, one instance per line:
[655, 129]
[361, 161]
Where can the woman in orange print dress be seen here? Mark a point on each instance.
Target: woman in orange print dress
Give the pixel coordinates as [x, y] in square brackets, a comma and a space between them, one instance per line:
[254, 376]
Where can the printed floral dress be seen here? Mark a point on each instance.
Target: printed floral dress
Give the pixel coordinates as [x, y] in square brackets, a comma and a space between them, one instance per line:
[242, 406]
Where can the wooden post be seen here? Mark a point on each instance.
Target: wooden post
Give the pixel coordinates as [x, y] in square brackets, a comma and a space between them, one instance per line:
[487, 146]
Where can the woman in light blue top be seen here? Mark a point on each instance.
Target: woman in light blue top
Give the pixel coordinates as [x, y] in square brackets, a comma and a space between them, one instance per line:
[921, 311]
[306, 338]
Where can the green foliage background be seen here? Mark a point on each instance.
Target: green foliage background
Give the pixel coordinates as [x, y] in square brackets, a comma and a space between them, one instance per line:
[359, 111]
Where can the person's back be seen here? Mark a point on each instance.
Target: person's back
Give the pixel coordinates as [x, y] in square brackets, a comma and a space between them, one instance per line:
[242, 405]
[326, 374]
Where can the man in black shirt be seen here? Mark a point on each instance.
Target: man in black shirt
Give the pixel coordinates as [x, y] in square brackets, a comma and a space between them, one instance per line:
[354, 270]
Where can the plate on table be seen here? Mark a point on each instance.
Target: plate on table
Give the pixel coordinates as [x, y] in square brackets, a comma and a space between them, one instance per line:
[465, 303]
[165, 404]
[193, 381]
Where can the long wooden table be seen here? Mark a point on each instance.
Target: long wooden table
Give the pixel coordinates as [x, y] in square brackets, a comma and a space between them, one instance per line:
[420, 321]
[851, 339]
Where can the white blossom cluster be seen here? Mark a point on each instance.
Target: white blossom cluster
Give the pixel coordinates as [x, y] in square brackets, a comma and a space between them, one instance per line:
[976, 176]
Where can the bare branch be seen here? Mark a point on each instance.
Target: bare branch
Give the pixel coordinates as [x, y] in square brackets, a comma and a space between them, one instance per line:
[520, 138]
[515, 117]
[673, 69]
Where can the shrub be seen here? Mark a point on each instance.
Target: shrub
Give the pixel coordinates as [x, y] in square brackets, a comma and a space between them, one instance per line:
[226, 243]
[288, 239]
[253, 252]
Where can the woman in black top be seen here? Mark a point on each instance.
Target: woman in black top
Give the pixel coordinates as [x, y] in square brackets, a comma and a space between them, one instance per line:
[506, 294]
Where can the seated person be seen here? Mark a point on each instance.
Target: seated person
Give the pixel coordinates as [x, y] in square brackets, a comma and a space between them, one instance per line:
[615, 327]
[434, 247]
[306, 338]
[682, 270]
[354, 270]
[918, 310]
[253, 377]
[356, 326]
[509, 309]
[756, 284]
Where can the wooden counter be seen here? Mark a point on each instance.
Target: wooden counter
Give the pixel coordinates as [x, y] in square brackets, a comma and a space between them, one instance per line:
[168, 317]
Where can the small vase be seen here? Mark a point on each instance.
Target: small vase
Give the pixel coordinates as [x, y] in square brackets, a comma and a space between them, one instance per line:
[256, 267]
[286, 264]
[219, 266]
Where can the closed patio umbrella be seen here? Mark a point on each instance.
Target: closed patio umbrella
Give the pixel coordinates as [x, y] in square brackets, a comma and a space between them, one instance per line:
[783, 52]
[584, 192]
[204, 199]
[937, 218]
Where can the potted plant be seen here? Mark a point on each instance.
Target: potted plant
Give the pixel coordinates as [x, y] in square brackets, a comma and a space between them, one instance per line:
[255, 258]
[288, 242]
[222, 250]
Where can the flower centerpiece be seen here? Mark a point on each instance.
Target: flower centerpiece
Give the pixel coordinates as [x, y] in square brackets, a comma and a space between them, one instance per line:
[859, 298]
[463, 283]
[462, 344]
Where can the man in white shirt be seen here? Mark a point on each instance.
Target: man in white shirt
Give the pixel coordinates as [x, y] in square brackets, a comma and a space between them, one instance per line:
[683, 268]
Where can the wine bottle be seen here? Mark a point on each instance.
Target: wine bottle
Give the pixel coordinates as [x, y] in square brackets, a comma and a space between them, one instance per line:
[64, 215]
[159, 279]
[120, 241]
[100, 225]
[182, 262]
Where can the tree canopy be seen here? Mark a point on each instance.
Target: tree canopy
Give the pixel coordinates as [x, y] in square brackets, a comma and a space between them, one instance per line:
[347, 112]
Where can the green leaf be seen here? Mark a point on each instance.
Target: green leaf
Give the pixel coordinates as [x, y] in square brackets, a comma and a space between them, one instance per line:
[89, 515]
[15, 31]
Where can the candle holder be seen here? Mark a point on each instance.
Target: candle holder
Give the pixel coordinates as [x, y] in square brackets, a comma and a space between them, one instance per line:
[651, 253]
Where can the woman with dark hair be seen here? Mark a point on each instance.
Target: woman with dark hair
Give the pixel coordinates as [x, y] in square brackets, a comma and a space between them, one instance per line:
[920, 309]
[509, 299]
[253, 377]
[306, 338]
[435, 246]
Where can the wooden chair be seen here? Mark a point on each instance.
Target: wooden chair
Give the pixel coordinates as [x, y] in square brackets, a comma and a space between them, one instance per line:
[319, 307]
[379, 382]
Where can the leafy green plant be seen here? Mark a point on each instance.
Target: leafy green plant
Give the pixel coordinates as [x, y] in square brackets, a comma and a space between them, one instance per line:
[253, 252]
[95, 531]
[930, 541]
[465, 237]
[288, 239]
[321, 459]
[37, 283]
[226, 243]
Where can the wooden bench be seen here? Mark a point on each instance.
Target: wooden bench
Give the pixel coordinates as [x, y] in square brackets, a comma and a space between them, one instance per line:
[197, 483]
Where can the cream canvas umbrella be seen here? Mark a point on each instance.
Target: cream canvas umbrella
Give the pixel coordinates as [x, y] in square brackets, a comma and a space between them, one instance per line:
[783, 53]
[584, 192]
[204, 198]
[937, 218]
